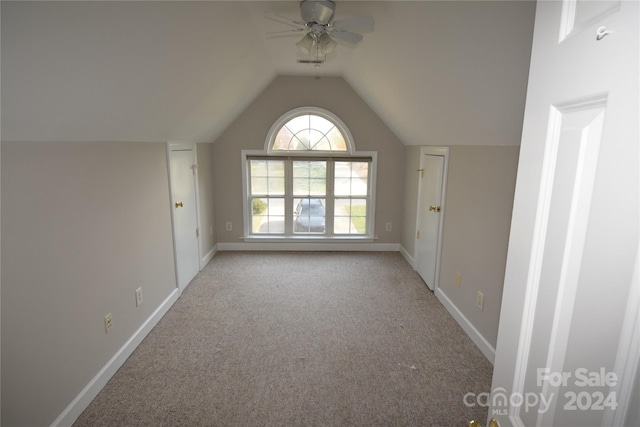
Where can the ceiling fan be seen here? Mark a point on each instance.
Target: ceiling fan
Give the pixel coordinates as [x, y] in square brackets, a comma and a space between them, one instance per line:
[321, 31]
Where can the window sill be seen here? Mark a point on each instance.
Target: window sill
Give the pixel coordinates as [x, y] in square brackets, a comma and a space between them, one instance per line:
[309, 239]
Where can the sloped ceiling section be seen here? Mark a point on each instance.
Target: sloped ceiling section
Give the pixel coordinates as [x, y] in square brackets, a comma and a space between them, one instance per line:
[452, 73]
[437, 73]
[127, 71]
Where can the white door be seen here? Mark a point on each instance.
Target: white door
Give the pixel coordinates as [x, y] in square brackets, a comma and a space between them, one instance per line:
[567, 345]
[185, 219]
[430, 200]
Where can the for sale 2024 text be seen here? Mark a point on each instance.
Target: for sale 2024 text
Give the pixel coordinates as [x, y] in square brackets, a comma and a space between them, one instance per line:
[594, 400]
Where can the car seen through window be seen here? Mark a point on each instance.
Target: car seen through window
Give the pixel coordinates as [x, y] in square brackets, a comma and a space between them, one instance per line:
[309, 216]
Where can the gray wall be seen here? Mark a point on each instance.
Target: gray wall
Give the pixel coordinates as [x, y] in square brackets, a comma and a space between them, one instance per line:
[206, 198]
[284, 94]
[83, 226]
[479, 199]
[411, 187]
[480, 189]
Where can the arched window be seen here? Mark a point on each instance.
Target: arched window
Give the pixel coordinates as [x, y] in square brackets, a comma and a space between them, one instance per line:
[309, 182]
[309, 129]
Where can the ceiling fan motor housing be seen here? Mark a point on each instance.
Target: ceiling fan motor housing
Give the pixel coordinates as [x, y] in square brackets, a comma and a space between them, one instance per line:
[317, 11]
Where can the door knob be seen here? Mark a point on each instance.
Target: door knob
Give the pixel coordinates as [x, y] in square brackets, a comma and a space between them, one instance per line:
[434, 208]
[179, 205]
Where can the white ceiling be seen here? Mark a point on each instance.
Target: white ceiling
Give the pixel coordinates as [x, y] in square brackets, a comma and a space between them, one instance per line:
[446, 72]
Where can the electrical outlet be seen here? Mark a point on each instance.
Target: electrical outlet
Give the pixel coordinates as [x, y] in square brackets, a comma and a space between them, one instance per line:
[388, 226]
[211, 231]
[229, 226]
[458, 279]
[480, 300]
[108, 323]
[139, 296]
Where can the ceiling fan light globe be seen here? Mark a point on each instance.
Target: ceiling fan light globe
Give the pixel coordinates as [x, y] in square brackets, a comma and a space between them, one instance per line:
[305, 45]
[326, 44]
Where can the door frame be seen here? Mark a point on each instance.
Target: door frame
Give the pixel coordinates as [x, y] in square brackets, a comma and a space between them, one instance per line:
[433, 151]
[183, 146]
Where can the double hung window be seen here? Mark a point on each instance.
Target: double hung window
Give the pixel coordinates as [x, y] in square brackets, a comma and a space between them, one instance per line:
[310, 183]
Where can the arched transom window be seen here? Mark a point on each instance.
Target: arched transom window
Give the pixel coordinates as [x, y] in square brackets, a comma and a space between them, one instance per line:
[309, 129]
[309, 132]
[309, 182]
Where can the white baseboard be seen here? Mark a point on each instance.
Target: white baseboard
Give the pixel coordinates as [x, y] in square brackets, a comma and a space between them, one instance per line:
[408, 257]
[91, 390]
[308, 246]
[208, 257]
[485, 347]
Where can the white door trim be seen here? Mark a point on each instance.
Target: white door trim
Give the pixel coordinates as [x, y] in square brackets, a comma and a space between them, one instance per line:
[628, 356]
[433, 151]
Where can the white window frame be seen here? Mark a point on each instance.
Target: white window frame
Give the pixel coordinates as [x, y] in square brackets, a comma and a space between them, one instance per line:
[349, 155]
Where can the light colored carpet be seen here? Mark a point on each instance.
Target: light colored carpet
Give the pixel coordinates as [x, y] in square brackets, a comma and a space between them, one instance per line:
[299, 339]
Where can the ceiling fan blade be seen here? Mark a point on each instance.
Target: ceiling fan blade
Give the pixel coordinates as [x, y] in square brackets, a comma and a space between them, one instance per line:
[285, 32]
[357, 24]
[346, 36]
[284, 20]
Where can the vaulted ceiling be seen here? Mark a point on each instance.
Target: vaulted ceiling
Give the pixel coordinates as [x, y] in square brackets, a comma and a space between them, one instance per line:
[447, 72]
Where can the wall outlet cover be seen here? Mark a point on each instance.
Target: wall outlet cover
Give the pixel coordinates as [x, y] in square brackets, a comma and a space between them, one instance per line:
[139, 296]
[108, 323]
[480, 300]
